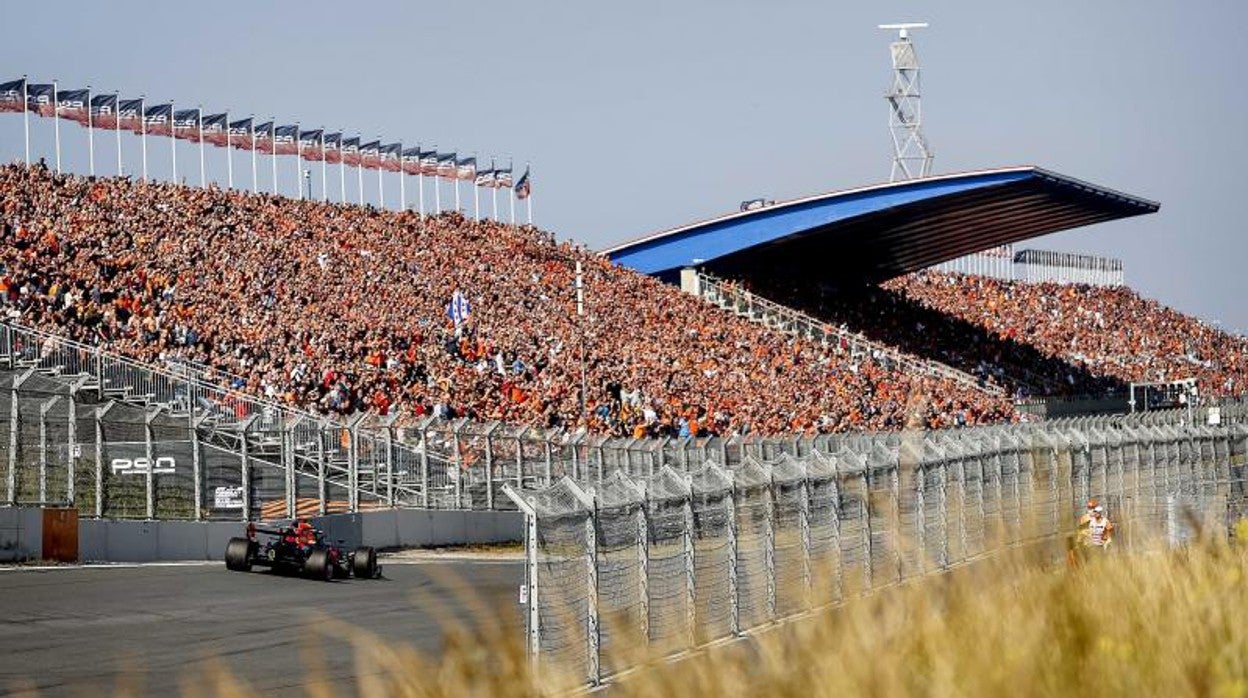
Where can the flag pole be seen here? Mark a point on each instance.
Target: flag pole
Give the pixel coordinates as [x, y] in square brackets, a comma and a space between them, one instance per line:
[273, 151]
[494, 192]
[56, 124]
[359, 170]
[299, 161]
[203, 182]
[324, 169]
[528, 198]
[437, 186]
[90, 134]
[456, 174]
[511, 191]
[143, 131]
[26, 116]
[381, 184]
[476, 195]
[420, 177]
[255, 178]
[229, 152]
[342, 170]
[402, 181]
[117, 129]
[173, 144]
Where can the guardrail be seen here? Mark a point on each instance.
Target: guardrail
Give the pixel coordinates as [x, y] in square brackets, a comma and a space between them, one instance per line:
[785, 319]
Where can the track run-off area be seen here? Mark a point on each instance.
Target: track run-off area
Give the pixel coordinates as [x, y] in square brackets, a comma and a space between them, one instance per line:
[153, 629]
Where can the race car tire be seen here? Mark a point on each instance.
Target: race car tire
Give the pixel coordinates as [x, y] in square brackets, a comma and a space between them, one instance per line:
[238, 555]
[319, 566]
[364, 562]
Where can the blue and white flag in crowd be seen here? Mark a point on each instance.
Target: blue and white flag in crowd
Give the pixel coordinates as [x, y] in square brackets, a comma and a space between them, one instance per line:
[459, 310]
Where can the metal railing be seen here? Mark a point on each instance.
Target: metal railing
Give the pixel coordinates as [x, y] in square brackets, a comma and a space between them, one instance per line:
[630, 566]
[731, 296]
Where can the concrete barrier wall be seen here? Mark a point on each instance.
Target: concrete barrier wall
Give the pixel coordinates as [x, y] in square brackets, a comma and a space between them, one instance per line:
[101, 540]
[21, 534]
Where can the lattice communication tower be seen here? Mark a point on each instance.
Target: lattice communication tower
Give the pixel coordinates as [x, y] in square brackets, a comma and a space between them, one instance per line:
[911, 156]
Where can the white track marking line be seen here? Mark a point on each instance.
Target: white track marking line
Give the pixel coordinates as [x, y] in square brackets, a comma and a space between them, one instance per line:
[109, 566]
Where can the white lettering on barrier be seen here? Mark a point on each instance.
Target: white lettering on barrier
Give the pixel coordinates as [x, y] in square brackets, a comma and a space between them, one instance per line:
[164, 465]
[227, 498]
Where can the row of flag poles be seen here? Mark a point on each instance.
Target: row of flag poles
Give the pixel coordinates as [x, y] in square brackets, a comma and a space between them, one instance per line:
[111, 113]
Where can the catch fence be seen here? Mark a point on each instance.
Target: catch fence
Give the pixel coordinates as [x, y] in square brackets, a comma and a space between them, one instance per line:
[626, 564]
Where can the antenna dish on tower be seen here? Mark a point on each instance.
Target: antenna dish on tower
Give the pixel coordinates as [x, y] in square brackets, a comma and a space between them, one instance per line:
[911, 157]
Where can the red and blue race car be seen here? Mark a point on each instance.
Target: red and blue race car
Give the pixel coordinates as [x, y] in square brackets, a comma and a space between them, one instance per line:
[299, 549]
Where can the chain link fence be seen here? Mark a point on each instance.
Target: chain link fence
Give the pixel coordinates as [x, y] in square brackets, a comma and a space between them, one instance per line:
[623, 564]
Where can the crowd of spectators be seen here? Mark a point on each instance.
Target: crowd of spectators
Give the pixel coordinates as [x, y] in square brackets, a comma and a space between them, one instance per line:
[1111, 333]
[343, 308]
[1033, 339]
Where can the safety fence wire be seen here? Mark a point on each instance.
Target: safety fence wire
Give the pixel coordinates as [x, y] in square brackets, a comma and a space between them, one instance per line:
[713, 545]
[933, 490]
[621, 548]
[851, 470]
[752, 497]
[791, 535]
[669, 519]
[564, 557]
[824, 528]
[883, 514]
[909, 494]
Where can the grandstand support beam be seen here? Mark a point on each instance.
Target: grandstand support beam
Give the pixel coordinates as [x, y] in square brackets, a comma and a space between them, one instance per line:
[912, 159]
[532, 617]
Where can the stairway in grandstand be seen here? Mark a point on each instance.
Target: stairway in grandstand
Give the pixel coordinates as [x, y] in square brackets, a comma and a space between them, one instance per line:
[295, 460]
[782, 318]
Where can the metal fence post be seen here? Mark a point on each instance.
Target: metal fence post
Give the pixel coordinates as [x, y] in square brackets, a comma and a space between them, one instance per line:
[245, 465]
[197, 466]
[322, 487]
[591, 582]
[942, 505]
[868, 580]
[691, 618]
[735, 611]
[803, 513]
[520, 457]
[424, 463]
[532, 617]
[920, 516]
[643, 561]
[99, 457]
[353, 468]
[489, 466]
[459, 466]
[769, 548]
[15, 425]
[43, 447]
[149, 477]
[288, 467]
[547, 449]
[71, 461]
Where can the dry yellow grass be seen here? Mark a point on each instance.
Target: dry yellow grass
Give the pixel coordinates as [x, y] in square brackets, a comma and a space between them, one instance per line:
[1167, 623]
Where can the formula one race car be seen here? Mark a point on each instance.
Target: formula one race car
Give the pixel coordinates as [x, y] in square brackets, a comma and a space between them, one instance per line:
[302, 550]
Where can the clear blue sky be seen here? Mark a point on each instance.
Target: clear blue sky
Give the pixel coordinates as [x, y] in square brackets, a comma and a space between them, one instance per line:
[644, 115]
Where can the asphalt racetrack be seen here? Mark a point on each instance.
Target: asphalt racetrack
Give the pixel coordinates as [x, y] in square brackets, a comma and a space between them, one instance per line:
[92, 631]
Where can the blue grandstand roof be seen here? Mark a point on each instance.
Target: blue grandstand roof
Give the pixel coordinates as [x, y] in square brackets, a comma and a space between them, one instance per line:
[877, 232]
